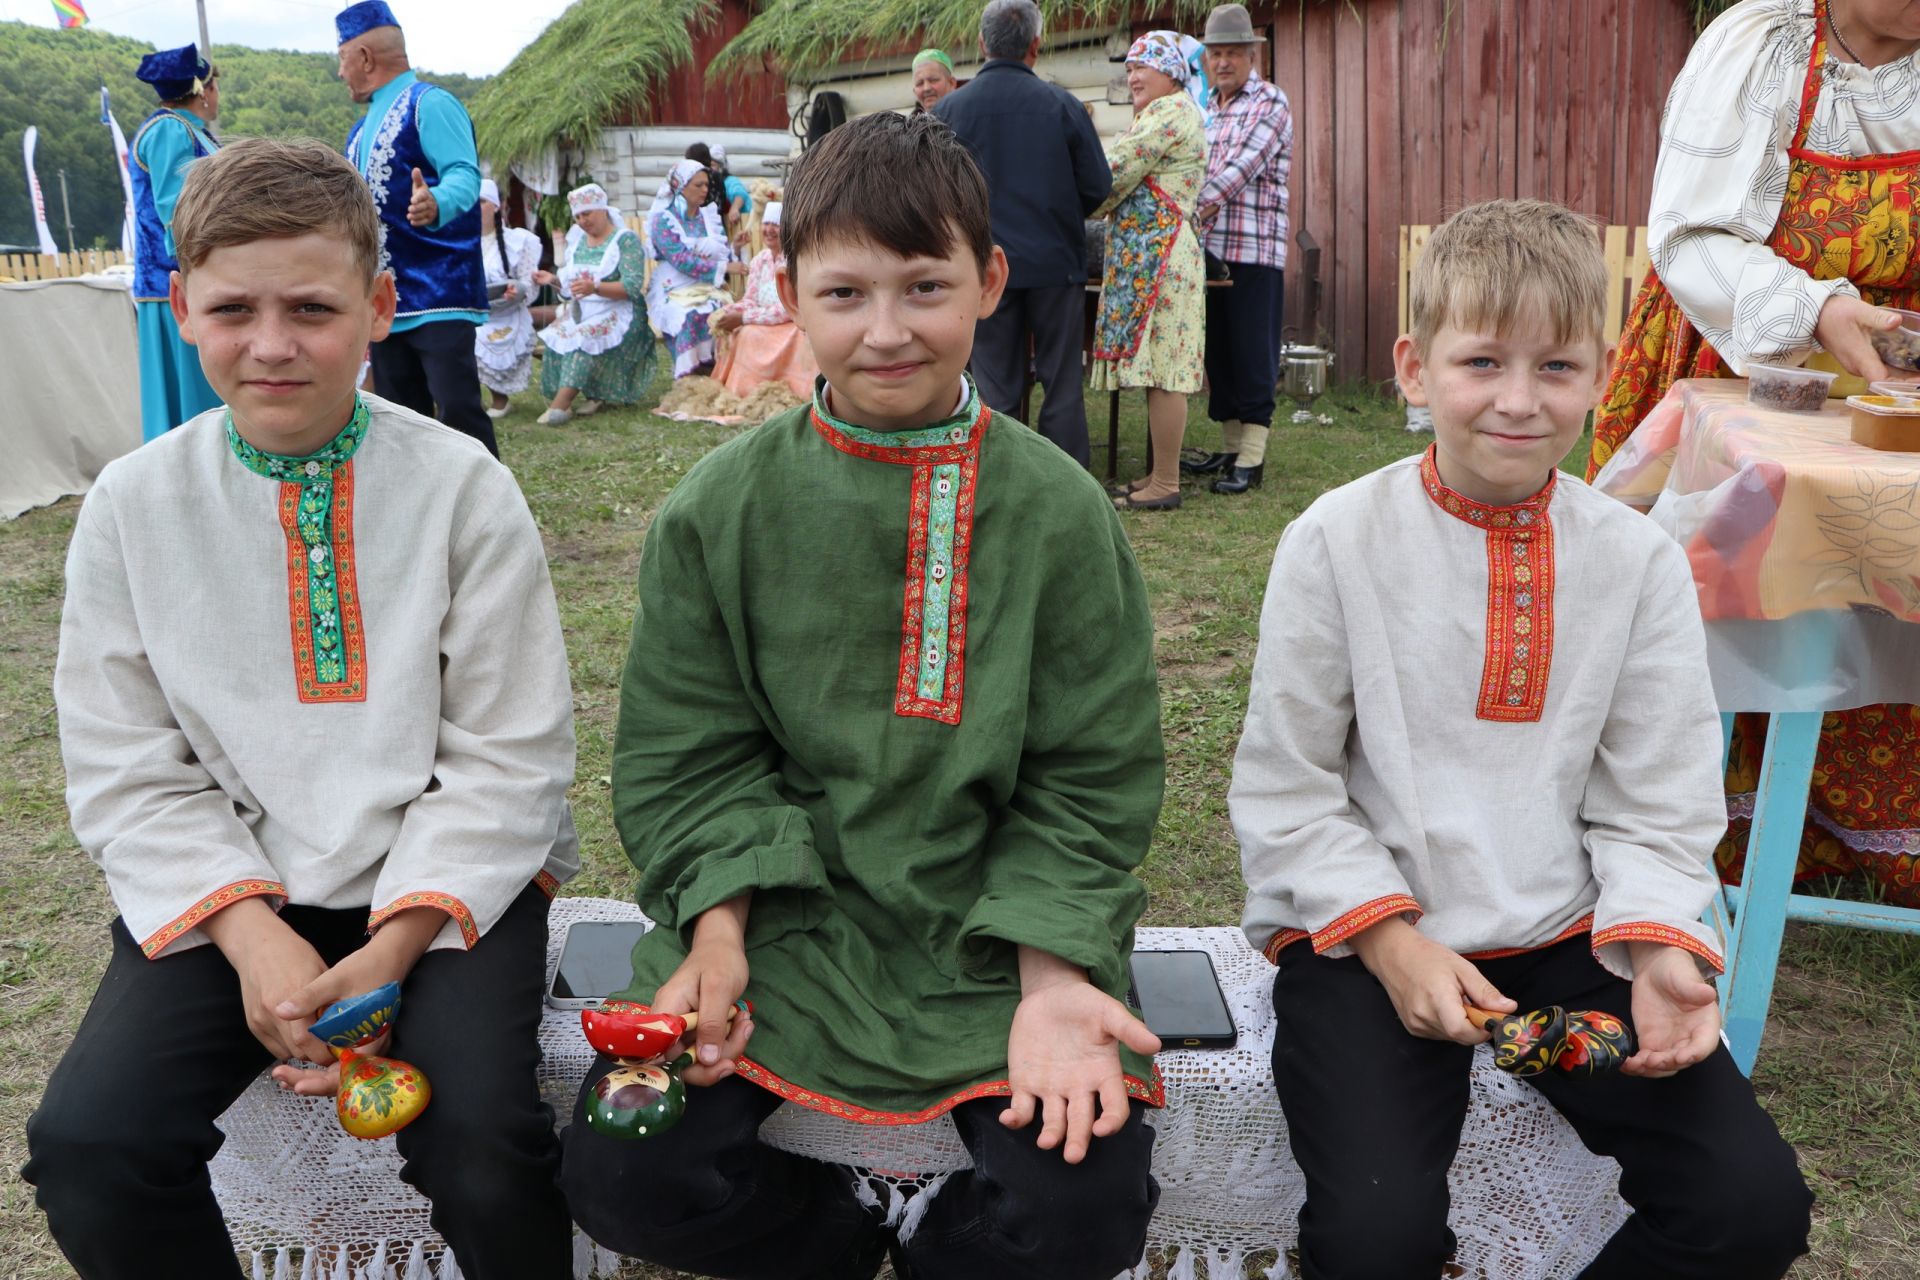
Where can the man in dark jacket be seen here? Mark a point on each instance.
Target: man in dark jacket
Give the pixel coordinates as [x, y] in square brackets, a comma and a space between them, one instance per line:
[1045, 173]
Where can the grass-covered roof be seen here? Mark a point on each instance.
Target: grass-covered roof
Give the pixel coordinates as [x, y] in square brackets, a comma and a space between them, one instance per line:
[591, 64]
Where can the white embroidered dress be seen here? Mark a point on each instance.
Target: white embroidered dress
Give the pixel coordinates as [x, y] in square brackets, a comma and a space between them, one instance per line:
[503, 343]
[594, 324]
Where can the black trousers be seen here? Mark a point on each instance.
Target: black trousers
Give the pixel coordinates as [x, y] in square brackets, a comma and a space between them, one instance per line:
[430, 368]
[120, 1143]
[1374, 1116]
[709, 1198]
[1243, 344]
[1055, 318]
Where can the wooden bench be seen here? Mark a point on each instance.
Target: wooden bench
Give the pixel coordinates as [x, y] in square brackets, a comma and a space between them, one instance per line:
[1625, 250]
[1529, 1202]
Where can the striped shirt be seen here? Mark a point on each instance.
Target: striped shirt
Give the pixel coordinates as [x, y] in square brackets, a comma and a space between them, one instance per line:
[1249, 156]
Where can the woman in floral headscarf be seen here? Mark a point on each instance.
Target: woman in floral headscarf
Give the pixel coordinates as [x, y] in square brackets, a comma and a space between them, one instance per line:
[691, 254]
[599, 348]
[1151, 325]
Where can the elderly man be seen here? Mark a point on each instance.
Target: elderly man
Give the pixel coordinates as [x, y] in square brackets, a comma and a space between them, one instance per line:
[1045, 173]
[415, 148]
[933, 78]
[1243, 208]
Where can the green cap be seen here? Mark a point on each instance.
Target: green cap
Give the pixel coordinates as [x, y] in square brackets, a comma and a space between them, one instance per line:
[934, 55]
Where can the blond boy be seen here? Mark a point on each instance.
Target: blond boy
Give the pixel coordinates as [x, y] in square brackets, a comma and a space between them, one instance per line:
[318, 732]
[1481, 766]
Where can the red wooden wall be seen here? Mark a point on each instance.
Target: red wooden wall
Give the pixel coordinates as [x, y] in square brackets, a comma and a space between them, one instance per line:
[1405, 110]
[754, 99]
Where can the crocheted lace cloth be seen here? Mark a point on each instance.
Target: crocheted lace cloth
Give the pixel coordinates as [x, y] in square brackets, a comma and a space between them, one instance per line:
[306, 1202]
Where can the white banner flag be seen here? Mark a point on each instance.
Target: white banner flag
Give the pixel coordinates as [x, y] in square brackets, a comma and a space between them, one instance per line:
[39, 204]
[126, 179]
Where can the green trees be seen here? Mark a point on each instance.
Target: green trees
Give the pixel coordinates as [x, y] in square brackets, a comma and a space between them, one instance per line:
[52, 79]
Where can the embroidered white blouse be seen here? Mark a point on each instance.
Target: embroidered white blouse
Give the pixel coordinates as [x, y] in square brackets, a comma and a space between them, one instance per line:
[1494, 721]
[1722, 173]
[220, 745]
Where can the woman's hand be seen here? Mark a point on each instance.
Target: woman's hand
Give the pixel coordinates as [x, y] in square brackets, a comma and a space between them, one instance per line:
[1430, 986]
[725, 320]
[736, 268]
[543, 276]
[583, 286]
[513, 291]
[1843, 332]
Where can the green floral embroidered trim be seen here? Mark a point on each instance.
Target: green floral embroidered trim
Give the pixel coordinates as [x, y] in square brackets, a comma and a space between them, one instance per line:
[316, 515]
[948, 431]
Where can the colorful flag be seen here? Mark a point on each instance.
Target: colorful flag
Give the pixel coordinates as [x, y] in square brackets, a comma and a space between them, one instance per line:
[27, 142]
[70, 12]
[126, 178]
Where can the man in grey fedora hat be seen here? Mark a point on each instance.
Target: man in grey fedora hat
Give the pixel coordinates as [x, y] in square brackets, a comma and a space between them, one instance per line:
[1243, 214]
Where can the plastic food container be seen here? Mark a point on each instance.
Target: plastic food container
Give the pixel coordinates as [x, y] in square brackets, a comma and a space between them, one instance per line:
[1882, 422]
[1773, 386]
[1898, 390]
[1900, 347]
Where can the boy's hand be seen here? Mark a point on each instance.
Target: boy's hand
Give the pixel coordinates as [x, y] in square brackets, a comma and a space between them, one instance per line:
[1428, 983]
[1063, 1056]
[423, 206]
[273, 963]
[1676, 1012]
[705, 987]
[388, 956]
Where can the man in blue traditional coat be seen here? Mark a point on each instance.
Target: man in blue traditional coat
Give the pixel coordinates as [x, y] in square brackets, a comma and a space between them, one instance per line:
[172, 388]
[415, 148]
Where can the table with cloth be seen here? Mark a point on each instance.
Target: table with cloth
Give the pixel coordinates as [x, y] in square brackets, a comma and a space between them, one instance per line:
[1805, 550]
[1529, 1201]
[72, 385]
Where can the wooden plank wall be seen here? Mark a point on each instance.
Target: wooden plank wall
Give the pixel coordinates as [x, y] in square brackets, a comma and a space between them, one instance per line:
[1405, 110]
[58, 266]
[754, 99]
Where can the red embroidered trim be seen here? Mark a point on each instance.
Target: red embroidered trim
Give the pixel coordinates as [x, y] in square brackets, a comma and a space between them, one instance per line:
[1140, 332]
[219, 899]
[907, 700]
[549, 884]
[352, 642]
[1647, 931]
[1520, 577]
[1287, 937]
[930, 455]
[1364, 917]
[1282, 940]
[469, 931]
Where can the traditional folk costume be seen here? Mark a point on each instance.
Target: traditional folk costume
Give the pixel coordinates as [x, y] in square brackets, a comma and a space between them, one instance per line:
[1785, 177]
[503, 343]
[768, 346]
[172, 387]
[598, 345]
[690, 252]
[1532, 780]
[1150, 330]
[426, 361]
[933, 737]
[1249, 160]
[336, 683]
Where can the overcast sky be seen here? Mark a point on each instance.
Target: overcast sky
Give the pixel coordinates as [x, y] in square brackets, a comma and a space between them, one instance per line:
[477, 37]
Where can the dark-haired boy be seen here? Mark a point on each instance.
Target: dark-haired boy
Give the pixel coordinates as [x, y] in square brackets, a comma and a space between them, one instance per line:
[318, 733]
[889, 743]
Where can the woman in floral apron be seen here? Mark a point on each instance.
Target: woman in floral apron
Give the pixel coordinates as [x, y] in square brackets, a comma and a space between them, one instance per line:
[1784, 218]
[1151, 328]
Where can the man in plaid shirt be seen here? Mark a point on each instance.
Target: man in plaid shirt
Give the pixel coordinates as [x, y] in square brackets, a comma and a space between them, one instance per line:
[1243, 213]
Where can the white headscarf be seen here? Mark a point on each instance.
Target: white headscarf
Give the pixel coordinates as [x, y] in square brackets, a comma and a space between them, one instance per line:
[490, 192]
[771, 218]
[677, 177]
[591, 196]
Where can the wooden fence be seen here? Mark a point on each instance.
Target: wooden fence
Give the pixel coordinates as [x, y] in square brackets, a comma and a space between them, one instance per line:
[58, 266]
[1625, 250]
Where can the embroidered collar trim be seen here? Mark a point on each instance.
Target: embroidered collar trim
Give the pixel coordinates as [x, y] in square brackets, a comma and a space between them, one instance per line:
[312, 468]
[1519, 515]
[948, 440]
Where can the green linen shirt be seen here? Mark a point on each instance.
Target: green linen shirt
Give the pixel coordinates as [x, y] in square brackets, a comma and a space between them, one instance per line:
[901, 687]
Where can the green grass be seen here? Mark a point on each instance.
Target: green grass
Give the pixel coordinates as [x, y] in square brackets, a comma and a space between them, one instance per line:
[1836, 1069]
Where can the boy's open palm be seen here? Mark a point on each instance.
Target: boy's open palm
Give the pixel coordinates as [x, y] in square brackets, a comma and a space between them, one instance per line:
[1676, 1012]
[1063, 1058]
[1430, 985]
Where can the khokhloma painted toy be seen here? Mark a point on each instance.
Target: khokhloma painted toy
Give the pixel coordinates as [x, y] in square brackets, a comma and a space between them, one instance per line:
[378, 1096]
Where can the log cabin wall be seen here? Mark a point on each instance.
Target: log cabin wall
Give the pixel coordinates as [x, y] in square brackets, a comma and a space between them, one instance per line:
[1406, 110]
[748, 99]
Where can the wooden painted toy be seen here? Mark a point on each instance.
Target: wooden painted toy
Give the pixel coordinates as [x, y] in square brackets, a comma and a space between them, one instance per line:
[377, 1096]
[1585, 1043]
[622, 1029]
[636, 1099]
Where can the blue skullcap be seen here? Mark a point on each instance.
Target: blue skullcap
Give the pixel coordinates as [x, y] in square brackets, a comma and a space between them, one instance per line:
[172, 72]
[358, 19]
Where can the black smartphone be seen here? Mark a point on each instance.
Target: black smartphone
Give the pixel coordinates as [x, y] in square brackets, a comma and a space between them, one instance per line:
[596, 960]
[1178, 996]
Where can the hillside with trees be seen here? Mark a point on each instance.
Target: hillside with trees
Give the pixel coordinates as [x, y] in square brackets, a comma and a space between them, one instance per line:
[52, 78]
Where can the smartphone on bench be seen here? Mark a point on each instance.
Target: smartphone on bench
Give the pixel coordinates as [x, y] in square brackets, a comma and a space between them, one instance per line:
[596, 960]
[1178, 996]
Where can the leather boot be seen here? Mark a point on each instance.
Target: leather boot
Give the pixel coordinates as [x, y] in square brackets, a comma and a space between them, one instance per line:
[1240, 479]
[1205, 464]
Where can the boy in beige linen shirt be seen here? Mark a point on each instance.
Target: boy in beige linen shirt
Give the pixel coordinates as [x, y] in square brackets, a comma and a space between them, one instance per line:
[1480, 766]
[315, 712]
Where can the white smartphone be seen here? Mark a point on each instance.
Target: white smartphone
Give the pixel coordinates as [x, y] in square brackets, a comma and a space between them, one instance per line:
[596, 960]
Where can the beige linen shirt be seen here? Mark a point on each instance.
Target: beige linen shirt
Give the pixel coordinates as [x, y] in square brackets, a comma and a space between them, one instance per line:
[1562, 779]
[198, 775]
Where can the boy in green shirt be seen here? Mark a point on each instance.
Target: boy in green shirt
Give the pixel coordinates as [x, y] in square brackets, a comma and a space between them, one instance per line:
[888, 753]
